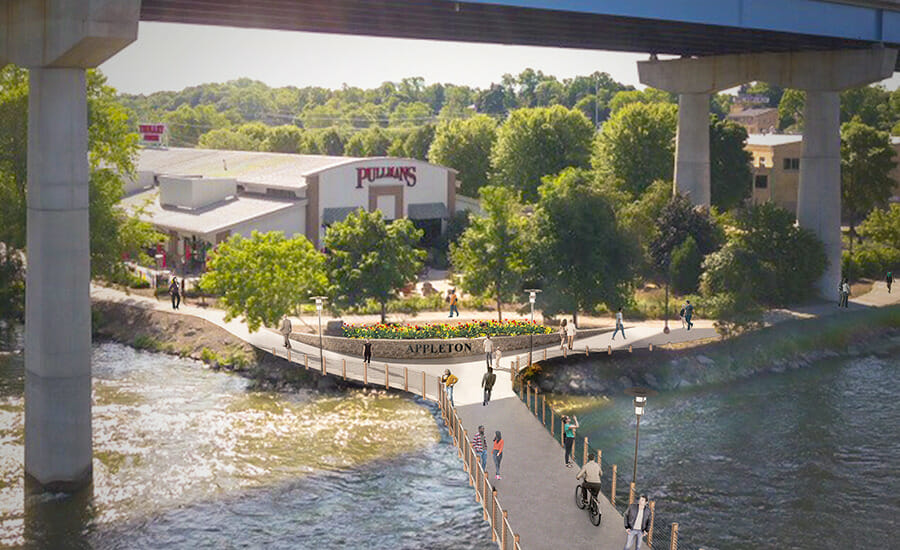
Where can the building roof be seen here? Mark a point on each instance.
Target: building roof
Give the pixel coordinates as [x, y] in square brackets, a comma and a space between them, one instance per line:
[772, 140]
[273, 169]
[209, 219]
[752, 112]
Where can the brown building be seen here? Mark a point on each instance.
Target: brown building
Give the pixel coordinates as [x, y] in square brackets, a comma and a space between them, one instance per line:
[757, 120]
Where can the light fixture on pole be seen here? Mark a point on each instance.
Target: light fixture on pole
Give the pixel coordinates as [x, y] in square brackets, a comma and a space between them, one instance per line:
[532, 297]
[640, 401]
[320, 301]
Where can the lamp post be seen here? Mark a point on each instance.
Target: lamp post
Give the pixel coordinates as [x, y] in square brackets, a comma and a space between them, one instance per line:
[666, 328]
[320, 301]
[532, 296]
[640, 401]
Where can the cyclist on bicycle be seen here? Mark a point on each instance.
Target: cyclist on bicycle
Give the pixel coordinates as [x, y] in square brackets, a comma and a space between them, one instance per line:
[591, 473]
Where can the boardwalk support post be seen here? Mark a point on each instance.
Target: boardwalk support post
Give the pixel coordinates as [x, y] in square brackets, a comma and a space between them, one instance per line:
[344, 369]
[612, 489]
[552, 424]
[324, 368]
[543, 410]
[609, 350]
[503, 529]
[493, 513]
[584, 452]
[365, 374]
[406, 379]
[652, 517]
[387, 377]
[629, 349]
[673, 544]
[305, 361]
[631, 493]
[650, 347]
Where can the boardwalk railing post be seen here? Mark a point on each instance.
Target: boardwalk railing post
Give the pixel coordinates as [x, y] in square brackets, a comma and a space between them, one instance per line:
[629, 349]
[545, 354]
[584, 452]
[305, 361]
[587, 350]
[652, 517]
[631, 493]
[650, 347]
[503, 530]
[485, 493]
[324, 363]
[517, 542]
[344, 368]
[543, 410]
[493, 513]
[423, 384]
[609, 350]
[673, 544]
[406, 380]
[612, 489]
[365, 374]
[552, 424]
[387, 377]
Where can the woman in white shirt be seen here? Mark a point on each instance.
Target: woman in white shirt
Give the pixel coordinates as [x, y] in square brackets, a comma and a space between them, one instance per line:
[570, 332]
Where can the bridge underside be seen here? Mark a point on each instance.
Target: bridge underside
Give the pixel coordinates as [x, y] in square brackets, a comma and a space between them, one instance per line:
[488, 23]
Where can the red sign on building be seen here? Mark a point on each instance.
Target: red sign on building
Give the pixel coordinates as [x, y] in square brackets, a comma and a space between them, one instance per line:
[152, 134]
[406, 174]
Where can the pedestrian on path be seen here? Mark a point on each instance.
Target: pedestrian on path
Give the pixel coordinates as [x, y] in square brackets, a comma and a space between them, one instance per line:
[286, 331]
[591, 473]
[497, 355]
[487, 382]
[562, 337]
[571, 329]
[175, 293]
[688, 314]
[681, 315]
[569, 428]
[889, 280]
[619, 324]
[498, 454]
[845, 293]
[449, 380]
[637, 522]
[479, 445]
[367, 351]
[488, 350]
[453, 302]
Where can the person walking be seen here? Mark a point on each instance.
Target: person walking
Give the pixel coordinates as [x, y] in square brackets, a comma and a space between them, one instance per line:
[571, 330]
[367, 351]
[449, 380]
[488, 350]
[175, 293]
[497, 355]
[619, 324]
[286, 331]
[845, 293]
[637, 523]
[688, 314]
[479, 445]
[453, 302]
[487, 382]
[562, 337]
[889, 280]
[569, 428]
[498, 453]
[591, 473]
[681, 315]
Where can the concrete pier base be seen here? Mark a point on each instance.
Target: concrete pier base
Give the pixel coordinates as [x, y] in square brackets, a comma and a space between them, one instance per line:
[692, 148]
[819, 193]
[57, 298]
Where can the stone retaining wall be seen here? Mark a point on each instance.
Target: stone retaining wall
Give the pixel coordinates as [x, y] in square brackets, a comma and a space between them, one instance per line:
[432, 348]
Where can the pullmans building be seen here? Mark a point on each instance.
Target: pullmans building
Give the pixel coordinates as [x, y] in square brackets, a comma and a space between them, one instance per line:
[201, 197]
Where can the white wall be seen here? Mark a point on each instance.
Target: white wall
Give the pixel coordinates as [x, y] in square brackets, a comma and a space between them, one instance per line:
[194, 193]
[291, 221]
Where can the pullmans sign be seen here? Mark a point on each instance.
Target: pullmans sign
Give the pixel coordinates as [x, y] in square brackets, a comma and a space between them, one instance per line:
[406, 174]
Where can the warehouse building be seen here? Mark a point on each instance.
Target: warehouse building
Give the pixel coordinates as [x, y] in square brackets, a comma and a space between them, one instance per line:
[201, 197]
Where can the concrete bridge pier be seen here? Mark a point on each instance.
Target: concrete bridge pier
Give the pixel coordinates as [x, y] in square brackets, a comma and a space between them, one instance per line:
[57, 41]
[823, 75]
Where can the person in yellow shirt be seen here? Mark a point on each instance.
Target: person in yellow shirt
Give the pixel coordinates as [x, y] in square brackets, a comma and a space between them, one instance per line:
[449, 380]
[453, 303]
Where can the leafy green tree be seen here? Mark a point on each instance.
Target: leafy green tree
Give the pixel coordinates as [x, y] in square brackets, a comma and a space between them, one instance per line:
[882, 226]
[772, 93]
[533, 143]
[112, 146]
[685, 267]
[880, 248]
[490, 256]
[790, 109]
[372, 142]
[229, 140]
[418, 142]
[678, 220]
[186, 124]
[637, 146]
[870, 104]
[265, 277]
[371, 259]
[465, 146]
[581, 253]
[283, 139]
[729, 171]
[867, 159]
[647, 96]
[766, 257]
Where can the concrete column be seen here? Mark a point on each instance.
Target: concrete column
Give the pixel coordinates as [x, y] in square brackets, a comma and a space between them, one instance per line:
[692, 148]
[819, 194]
[57, 299]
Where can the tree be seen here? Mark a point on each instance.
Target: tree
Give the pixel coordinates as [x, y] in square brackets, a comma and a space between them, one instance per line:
[684, 269]
[533, 143]
[417, 144]
[112, 146]
[372, 142]
[465, 146]
[882, 226]
[283, 139]
[368, 258]
[767, 257]
[866, 163]
[790, 109]
[491, 254]
[647, 96]
[186, 124]
[229, 140]
[678, 220]
[772, 93]
[729, 171]
[265, 277]
[637, 146]
[583, 256]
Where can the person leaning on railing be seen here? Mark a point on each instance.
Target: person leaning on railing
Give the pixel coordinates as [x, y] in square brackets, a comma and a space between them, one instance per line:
[449, 380]
[591, 473]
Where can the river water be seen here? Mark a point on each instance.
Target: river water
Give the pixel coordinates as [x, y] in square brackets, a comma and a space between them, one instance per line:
[808, 459]
[186, 457]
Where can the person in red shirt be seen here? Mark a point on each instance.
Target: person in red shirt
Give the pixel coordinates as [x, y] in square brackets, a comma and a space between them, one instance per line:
[498, 453]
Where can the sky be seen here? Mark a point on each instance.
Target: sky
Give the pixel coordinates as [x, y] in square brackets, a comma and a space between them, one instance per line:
[172, 56]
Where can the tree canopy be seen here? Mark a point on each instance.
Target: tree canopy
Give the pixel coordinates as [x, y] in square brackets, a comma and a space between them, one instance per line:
[867, 159]
[729, 171]
[264, 277]
[465, 145]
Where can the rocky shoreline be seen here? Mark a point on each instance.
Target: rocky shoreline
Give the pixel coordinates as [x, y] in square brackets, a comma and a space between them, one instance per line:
[789, 346]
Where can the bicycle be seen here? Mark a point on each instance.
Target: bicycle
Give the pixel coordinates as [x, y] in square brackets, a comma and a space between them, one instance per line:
[581, 500]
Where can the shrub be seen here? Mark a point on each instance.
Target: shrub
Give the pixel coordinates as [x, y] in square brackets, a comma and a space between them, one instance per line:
[734, 313]
[476, 329]
[685, 266]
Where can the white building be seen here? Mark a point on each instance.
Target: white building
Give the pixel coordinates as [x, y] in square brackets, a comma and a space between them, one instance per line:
[201, 197]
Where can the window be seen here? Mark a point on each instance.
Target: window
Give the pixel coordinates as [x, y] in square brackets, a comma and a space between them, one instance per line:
[791, 164]
[761, 181]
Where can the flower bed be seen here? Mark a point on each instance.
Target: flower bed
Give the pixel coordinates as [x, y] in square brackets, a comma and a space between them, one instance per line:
[475, 329]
